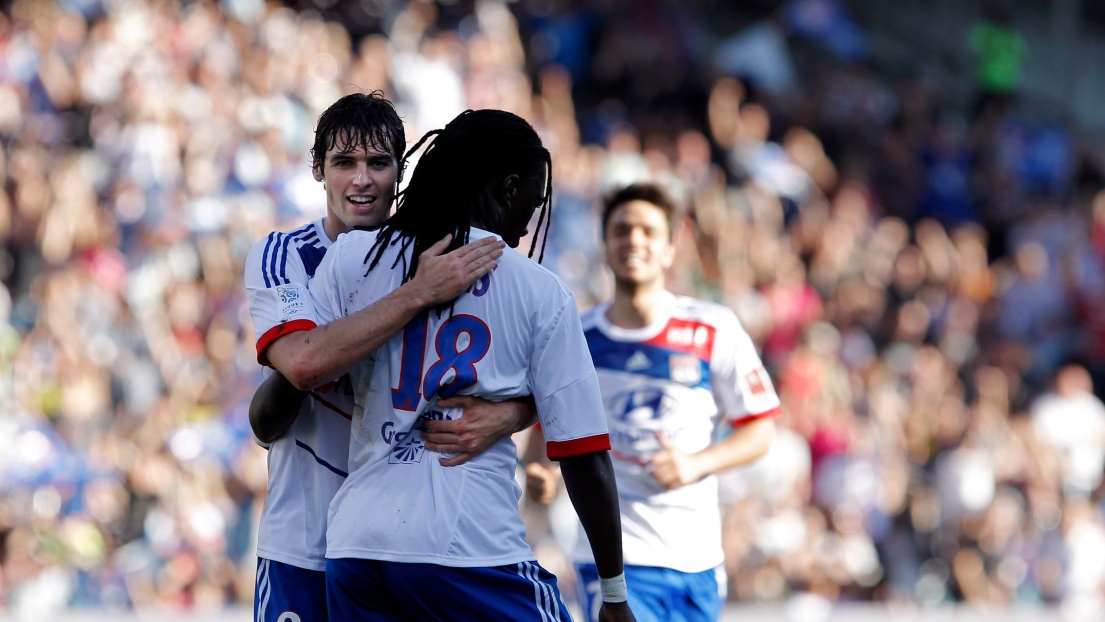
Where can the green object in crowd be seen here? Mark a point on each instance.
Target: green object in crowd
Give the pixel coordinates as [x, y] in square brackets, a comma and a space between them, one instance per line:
[1000, 51]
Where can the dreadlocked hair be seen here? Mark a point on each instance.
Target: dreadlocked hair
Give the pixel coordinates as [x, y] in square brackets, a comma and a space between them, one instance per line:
[446, 193]
[359, 120]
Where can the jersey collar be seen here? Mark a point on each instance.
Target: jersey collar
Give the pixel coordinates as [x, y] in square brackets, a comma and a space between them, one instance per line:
[666, 302]
[320, 232]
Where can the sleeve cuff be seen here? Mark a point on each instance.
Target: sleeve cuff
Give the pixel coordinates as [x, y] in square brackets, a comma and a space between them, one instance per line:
[277, 332]
[774, 412]
[577, 447]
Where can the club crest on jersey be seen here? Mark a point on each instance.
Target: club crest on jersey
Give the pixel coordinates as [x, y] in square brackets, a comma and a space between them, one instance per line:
[685, 369]
[291, 300]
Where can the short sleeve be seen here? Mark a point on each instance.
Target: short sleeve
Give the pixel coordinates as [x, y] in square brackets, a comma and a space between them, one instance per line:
[325, 288]
[276, 285]
[742, 388]
[565, 386]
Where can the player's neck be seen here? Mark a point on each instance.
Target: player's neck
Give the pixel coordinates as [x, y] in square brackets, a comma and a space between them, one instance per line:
[636, 305]
[333, 227]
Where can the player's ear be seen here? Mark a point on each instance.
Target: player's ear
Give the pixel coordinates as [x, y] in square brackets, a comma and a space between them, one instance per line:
[508, 190]
[667, 258]
[316, 170]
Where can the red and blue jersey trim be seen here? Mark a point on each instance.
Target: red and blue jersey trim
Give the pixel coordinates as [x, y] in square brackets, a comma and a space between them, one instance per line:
[613, 355]
[274, 261]
[277, 332]
[557, 450]
[767, 414]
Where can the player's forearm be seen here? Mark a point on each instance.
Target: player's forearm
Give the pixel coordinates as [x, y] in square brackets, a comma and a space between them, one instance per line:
[531, 418]
[746, 443]
[590, 482]
[311, 358]
[274, 407]
[534, 450]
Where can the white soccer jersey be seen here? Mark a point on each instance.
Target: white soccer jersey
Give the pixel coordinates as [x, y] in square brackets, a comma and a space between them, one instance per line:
[516, 332]
[309, 462]
[681, 376]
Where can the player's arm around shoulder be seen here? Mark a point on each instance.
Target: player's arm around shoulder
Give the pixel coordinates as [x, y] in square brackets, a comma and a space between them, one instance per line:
[347, 333]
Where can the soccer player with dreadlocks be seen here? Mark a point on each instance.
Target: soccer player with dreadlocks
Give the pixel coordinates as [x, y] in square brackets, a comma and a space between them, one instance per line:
[359, 143]
[409, 539]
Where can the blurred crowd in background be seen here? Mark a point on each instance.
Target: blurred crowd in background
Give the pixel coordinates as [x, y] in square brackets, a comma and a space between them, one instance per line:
[922, 274]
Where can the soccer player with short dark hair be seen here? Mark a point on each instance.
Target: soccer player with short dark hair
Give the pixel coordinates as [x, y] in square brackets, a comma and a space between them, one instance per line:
[357, 155]
[671, 369]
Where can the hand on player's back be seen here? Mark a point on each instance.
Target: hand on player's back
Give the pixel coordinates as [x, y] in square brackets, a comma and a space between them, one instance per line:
[481, 425]
[616, 612]
[441, 278]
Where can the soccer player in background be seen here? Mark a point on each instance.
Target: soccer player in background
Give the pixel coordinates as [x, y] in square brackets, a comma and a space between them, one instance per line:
[358, 147]
[409, 539]
[671, 368]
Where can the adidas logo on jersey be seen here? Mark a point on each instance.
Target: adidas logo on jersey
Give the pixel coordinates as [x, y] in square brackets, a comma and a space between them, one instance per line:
[638, 362]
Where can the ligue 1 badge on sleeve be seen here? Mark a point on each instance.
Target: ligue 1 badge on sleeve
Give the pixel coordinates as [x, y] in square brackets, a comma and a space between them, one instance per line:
[685, 369]
[755, 383]
[291, 300]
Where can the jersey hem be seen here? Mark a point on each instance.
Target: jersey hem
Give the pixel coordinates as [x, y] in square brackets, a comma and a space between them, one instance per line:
[440, 560]
[318, 565]
[767, 414]
[277, 332]
[557, 450]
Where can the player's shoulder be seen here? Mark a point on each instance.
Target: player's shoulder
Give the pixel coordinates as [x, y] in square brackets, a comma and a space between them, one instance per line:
[592, 316]
[538, 280]
[705, 312]
[347, 259]
[285, 257]
[540, 283]
[273, 245]
[354, 239]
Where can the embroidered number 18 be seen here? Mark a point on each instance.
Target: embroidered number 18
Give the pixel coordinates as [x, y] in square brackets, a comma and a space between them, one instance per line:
[450, 356]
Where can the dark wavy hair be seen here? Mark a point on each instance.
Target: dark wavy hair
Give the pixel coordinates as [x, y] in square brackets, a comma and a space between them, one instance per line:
[642, 191]
[446, 193]
[360, 120]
